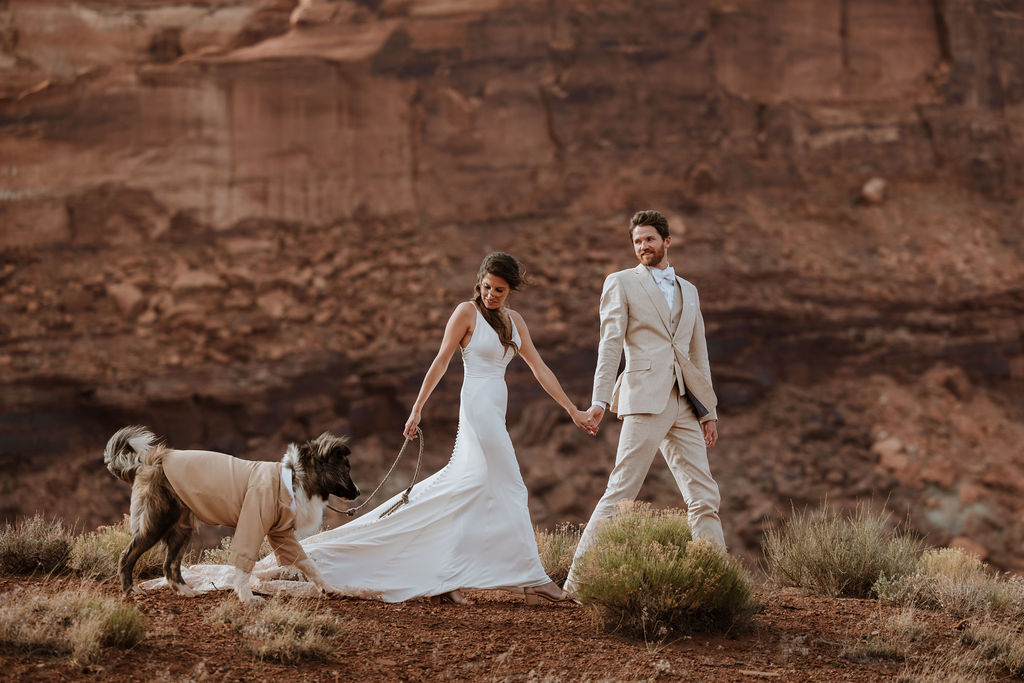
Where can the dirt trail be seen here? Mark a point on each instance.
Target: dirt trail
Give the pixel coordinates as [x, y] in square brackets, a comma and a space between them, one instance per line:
[794, 638]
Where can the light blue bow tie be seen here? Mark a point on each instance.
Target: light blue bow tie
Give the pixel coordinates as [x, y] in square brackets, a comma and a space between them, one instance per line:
[663, 275]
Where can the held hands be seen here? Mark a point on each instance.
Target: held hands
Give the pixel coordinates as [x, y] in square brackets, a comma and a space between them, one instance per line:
[588, 420]
[581, 419]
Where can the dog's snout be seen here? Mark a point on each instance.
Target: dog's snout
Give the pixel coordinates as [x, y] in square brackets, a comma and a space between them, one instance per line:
[348, 491]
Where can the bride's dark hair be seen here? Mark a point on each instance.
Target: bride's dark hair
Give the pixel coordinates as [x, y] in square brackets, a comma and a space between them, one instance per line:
[507, 268]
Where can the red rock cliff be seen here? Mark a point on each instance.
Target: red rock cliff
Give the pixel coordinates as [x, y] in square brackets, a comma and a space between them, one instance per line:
[241, 222]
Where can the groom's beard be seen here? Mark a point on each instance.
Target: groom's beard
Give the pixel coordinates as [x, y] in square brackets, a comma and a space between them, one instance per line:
[652, 257]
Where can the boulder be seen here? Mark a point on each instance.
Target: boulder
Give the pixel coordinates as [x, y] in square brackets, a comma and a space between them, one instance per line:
[129, 299]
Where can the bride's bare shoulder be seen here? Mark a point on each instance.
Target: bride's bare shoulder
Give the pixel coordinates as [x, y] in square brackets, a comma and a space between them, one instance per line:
[517, 318]
[465, 311]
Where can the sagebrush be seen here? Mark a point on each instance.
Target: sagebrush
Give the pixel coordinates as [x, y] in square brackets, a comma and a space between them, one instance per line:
[556, 549]
[222, 553]
[95, 555]
[76, 622]
[956, 582]
[280, 631]
[647, 577]
[34, 546]
[827, 553]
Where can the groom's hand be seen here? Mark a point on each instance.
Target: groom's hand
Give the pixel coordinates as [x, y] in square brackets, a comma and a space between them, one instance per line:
[584, 421]
[595, 414]
[710, 429]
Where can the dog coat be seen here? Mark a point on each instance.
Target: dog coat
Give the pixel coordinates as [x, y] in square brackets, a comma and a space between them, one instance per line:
[248, 495]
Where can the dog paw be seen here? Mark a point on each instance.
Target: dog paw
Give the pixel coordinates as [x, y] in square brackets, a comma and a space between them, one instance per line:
[184, 590]
[252, 600]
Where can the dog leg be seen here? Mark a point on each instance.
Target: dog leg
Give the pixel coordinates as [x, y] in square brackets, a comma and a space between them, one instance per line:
[154, 510]
[242, 590]
[309, 569]
[175, 542]
[139, 544]
[147, 534]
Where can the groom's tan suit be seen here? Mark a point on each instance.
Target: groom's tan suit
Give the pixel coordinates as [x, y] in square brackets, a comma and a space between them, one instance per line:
[662, 396]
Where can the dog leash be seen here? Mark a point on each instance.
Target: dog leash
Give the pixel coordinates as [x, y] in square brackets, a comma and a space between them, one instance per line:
[405, 496]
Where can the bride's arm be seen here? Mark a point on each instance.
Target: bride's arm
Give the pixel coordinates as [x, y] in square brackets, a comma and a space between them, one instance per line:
[458, 325]
[546, 378]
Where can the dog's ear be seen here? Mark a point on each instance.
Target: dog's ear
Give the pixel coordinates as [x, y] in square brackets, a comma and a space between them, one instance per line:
[305, 452]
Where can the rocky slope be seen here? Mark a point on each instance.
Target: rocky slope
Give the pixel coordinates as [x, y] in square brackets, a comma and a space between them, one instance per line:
[242, 222]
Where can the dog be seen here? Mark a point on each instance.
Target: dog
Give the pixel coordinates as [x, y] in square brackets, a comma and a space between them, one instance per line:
[172, 488]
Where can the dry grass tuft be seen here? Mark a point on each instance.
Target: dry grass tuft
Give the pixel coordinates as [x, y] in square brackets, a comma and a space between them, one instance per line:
[556, 549]
[95, 555]
[645, 576]
[75, 622]
[1001, 645]
[34, 546]
[953, 581]
[988, 650]
[280, 631]
[893, 640]
[222, 554]
[826, 554]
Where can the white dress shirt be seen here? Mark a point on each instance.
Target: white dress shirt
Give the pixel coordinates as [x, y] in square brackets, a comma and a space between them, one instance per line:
[665, 278]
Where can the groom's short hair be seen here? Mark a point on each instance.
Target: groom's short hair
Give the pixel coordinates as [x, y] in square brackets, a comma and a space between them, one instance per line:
[649, 217]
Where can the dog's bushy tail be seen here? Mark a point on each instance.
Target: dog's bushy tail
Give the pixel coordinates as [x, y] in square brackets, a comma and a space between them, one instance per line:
[126, 451]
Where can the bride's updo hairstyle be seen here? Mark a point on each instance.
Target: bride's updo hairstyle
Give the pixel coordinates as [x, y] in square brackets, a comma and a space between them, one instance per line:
[506, 267]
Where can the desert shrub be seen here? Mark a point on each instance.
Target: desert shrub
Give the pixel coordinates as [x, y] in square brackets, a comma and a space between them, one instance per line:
[988, 650]
[893, 640]
[286, 632]
[827, 554]
[73, 622]
[221, 554]
[953, 581]
[647, 577]
[34, 546]
[955, 666]
[1001, 645]
[95, 555]
[556, 549]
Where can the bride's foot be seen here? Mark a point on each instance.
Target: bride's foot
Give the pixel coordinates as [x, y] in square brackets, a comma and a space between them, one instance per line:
[549, 592]
[454, 597]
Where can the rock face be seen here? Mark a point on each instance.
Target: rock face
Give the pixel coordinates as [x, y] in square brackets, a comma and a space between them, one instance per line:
[242, 222]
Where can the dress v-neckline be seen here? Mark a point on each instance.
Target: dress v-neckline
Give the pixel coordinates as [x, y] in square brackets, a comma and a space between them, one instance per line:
[482, 319]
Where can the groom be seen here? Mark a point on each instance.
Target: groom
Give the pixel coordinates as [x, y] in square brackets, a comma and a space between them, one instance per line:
[664, 397]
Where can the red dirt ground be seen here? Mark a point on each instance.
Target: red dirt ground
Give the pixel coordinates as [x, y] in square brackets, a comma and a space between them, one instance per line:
[794, 638]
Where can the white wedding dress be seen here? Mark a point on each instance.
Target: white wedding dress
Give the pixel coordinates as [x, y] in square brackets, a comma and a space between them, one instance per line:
[467, 526]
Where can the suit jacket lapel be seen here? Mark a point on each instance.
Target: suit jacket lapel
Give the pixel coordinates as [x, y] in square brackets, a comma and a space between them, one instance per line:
[684, 312]
[657, 298]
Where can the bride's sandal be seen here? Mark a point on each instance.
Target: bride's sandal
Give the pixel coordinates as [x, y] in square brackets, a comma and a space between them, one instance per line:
[454, 597]
[535, 597]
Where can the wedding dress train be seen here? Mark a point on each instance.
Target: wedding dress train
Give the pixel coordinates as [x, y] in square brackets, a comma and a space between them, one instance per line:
[466, 526]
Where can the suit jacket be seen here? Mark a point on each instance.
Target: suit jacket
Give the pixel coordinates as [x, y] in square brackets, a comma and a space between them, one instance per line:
[248, 495]
[635, 319]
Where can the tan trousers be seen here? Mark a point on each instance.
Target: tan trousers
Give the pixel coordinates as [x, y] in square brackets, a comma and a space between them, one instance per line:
[681, 440]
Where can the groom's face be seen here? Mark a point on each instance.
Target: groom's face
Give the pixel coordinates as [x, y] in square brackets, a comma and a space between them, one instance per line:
[649, 246]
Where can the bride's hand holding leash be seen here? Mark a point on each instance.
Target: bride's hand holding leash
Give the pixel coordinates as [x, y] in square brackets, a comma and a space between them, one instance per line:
[412, 425]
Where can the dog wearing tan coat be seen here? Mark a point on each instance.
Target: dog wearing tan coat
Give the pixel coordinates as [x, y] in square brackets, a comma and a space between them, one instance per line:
[172, 488]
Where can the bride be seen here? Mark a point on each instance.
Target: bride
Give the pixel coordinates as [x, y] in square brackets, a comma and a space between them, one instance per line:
[468, 525]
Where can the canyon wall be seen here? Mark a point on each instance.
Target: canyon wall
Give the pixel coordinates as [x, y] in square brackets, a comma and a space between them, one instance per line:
[243, 222]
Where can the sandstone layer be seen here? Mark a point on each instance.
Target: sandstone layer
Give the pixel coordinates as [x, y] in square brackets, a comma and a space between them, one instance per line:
[243, 222]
